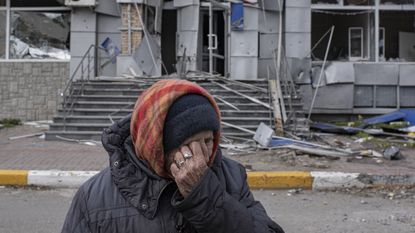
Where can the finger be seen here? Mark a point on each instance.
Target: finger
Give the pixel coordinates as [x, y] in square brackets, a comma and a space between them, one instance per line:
[197, 150]
[178, 156]
[186, 150]
[205, 150]
[175, 171]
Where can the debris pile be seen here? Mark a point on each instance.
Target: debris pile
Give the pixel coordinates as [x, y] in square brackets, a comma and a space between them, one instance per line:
[377, 139]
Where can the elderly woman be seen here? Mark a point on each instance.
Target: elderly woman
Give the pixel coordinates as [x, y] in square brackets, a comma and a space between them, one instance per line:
[166, 172]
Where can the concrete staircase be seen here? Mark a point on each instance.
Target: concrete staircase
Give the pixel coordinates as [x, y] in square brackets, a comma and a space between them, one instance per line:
[103, 102]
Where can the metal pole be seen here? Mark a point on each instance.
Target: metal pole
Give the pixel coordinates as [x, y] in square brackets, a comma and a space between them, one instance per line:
[377, 30]
[8, 29]
[318, 42]
[279, 43]
[210, 39]
[321, 75]
[129, 28]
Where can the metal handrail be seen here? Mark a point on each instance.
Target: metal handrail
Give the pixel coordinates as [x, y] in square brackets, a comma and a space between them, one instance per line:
[69, 94]
[289, 87]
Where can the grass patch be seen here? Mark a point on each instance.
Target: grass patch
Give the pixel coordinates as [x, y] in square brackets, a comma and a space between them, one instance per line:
[362, 134]
[10, 122]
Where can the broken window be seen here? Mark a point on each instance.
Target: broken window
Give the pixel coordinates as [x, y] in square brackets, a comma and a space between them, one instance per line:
[359, 2]
[149, 19]
[37, 3]
[399, 38]
[351, 38]
[2, 34]
[39, 34]
[397, 2]
[345, 2]
[2, 3]
[325, 1]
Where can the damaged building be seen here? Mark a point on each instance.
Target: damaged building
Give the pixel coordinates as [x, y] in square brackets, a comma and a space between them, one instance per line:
[370, 65]
[364, 47]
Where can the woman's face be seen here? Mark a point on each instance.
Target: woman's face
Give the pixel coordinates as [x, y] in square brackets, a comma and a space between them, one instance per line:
[205, 140]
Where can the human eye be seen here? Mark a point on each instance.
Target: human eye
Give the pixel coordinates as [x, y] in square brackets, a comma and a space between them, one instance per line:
[208, 140]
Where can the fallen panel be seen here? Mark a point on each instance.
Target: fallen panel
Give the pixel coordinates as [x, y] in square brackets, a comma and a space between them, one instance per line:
[330, 128]
[148, 56]
[393, 116]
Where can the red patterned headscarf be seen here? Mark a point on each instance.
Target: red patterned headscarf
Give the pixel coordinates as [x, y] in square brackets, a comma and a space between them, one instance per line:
[148, 118]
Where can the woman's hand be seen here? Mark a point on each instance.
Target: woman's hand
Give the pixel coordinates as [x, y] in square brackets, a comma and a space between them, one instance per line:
[190, 165]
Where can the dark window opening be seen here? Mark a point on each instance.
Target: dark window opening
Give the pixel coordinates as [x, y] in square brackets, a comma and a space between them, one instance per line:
[325, 1]
[168, 40]
[399, 38]
[359, 2]
[351, 30]
[37, 3]
[219, 31]
[150, 18]
[397, 2]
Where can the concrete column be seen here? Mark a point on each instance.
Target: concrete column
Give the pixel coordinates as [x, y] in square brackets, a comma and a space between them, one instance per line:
[377, 3]
[83, 34]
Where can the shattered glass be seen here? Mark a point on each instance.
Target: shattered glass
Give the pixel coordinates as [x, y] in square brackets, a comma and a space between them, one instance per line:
[37, 3]
[2, 2]
[2, 34]
[39, 35]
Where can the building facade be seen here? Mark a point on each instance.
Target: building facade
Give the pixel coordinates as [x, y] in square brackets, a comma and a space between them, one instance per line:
[34, 57]
[369, 61]
[366, 48]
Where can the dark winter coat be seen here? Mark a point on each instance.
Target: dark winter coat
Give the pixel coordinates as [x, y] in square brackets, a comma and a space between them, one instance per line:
[129, 197]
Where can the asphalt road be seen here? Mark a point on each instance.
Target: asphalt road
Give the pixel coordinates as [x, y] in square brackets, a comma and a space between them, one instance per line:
[28, 210]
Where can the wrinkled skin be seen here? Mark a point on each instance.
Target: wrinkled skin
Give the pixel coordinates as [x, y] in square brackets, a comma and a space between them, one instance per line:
[188, 175]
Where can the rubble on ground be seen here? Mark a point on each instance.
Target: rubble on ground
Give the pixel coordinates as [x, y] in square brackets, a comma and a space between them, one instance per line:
[373, 140]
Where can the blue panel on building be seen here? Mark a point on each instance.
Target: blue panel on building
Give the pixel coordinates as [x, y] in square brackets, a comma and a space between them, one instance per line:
[237, 16]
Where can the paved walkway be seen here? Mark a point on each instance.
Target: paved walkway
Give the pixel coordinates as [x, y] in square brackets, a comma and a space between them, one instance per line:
[37, 154]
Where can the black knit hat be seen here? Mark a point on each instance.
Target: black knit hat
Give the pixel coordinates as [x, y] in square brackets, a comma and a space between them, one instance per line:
[188, 115]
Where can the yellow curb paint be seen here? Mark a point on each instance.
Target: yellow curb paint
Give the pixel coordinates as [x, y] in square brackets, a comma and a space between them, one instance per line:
[280, 180]
[13, 177]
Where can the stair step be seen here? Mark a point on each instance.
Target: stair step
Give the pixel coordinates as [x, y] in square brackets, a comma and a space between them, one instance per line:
[121, 98]
[97, 127]
[89, 115]
[78, 135]
[103, 121]
[136, 91]
[124, 112]
[205, 84]
[130, 105]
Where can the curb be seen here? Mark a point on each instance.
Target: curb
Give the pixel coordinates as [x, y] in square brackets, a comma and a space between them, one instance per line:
[256, 180]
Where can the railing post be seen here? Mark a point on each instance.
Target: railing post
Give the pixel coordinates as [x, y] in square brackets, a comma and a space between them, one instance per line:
[69, 91]
[64, 110]
[89, 61]
[96, 66]
[82, 77]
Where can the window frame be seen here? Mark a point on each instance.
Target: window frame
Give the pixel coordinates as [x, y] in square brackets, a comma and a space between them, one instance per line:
[377, 8]
[361, 36]
[9, 11]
